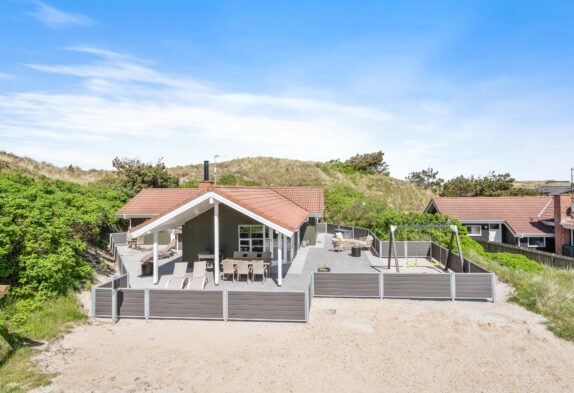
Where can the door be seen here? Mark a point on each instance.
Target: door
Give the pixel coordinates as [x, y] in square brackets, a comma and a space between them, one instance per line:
[495, 233]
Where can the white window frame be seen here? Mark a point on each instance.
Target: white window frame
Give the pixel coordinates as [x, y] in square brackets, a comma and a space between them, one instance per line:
[535, 245]
[468, 226]
[572, 237]
[250, 238]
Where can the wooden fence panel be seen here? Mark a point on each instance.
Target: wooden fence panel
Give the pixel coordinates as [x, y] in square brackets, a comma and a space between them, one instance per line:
[346, 284]
[474, 286]
[131, 303]
[416, 286]
[185, 304]
[102, 302]
[266, 306]
[413, 249]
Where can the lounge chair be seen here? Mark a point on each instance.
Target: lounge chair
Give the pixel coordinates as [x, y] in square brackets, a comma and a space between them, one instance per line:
[228, 269]
[177, 279]
[162, 253]
[243, 270]
[258, 269]
[199, 279]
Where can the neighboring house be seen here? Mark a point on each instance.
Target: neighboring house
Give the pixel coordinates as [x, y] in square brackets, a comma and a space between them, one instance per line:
[554, 190]
[525, 221]
[225, 219]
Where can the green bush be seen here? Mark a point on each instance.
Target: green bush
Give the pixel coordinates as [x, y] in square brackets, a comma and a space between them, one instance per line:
[517, 262]
[45, 226]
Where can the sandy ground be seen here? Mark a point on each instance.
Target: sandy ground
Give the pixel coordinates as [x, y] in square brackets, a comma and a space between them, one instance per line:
[349, 345]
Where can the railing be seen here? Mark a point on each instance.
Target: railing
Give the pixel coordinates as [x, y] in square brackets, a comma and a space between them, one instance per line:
[115, 300]
[118, 239]
[542, 257]
[453, 286]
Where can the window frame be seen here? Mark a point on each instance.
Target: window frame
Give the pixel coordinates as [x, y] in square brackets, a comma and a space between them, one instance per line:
[536, 245]
[468, 226]
[248, 241]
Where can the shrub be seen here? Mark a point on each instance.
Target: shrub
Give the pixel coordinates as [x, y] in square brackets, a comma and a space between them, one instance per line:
[517, 262]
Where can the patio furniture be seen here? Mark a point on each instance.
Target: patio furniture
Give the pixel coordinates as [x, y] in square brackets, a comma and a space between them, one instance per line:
[228, 269]
[199, 278]
[258, 268]
[163, 253]
[177, 280]
[209, 258]
[243, 270]
[356, 251]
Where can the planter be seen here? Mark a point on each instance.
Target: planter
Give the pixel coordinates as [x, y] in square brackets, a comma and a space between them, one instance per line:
[323, 269]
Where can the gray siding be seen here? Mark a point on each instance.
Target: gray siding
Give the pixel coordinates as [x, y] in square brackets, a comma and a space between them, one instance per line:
[347, 284]
[184, 304]
[309, 231]
[416, 285]
[103, 306]
[266, 306]
[473, 286]
[131, 303]
[198, 233]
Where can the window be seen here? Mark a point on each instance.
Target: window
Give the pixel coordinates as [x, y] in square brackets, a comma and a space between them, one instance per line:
[495, 226]
[474, 230]
[251, 238]
[536, 242]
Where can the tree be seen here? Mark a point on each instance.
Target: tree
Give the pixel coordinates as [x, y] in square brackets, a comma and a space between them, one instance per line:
[370, 162]
[136, 175]
[426, 178]
[489, 185]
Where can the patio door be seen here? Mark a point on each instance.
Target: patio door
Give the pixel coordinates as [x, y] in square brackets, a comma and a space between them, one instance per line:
[251, 238]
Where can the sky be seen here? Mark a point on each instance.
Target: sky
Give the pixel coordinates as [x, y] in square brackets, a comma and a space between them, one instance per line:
[463, 87]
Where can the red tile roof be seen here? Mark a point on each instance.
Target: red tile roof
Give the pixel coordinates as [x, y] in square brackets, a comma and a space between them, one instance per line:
[309, 198]
[266, 202]
[150, 202]
[524, 215]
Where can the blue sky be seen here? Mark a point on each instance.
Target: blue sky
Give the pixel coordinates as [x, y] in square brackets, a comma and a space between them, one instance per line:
[464, 87]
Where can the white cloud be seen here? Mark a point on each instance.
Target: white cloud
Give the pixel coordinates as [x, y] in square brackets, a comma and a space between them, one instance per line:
[125, 106]
[55, 18]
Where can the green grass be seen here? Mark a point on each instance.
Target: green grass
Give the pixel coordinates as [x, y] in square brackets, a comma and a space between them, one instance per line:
[18, 373]
[548, 292]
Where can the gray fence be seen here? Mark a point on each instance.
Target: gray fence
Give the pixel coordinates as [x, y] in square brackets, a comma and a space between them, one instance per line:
[115, 300]
[346, 284]
[461, 286]
[416, 249]
[544, 258]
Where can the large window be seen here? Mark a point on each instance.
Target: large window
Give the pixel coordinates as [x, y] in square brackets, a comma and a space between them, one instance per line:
[474, 230]
[251, 238]
[536, 242]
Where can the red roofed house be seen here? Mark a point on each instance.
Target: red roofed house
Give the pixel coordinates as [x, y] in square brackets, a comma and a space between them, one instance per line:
[525, 221]
[221, 220]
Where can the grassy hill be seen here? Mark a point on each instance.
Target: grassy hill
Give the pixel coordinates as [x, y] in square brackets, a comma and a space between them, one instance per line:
[37, 169]
[265, 171]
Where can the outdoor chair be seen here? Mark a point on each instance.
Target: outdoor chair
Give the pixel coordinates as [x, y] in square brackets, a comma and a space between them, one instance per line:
[177, 279]
[199, 278]
[243, 270]
[259, 270]
[228, 269]
[162, 253]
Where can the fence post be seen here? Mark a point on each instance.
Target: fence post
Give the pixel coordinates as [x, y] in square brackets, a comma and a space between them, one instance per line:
[452, 286]
[114, 301]
[493, 284]
[225, 304]
[93, 309]
[381, 285]
[380, 248]
[313, 284]
[146, 303]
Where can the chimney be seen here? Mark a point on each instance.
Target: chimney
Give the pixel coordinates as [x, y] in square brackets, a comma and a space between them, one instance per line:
[559, 232]
[205, 184]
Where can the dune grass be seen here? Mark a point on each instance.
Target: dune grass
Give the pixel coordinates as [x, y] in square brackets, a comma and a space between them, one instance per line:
[548, 292]
[18, 371]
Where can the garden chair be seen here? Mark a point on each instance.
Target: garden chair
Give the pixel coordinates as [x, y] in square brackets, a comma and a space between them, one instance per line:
[243, 270]
[177, 279]
[259, 270]
[199, 278]
[228, 269]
